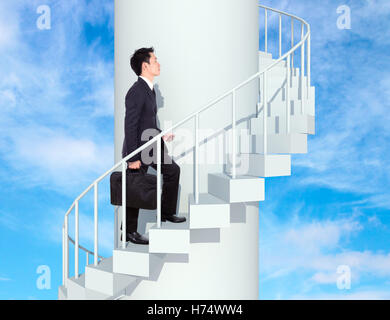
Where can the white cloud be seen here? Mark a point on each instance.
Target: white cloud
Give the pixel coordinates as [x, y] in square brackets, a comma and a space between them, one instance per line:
[7, 98]
[317, 235]
[277, 274]
[4, 279]
[376, 222]
[9, 27]
[54, 93]
[53, 159]
[101, 75]
[325, 278]
[9, 220]
[6, 35]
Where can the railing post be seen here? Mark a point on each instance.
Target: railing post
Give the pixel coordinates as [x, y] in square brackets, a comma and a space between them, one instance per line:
[302, 71]
[63, 256]
[288, 112]
[234, 135]
[196, 158]
[292, 44]
[87, 258]
[124, 169]
[260, 102]
[76, 249]
[308, 64]
[66, 226]
[265, 112]
[280, 35]
[116, 224]
[96, 223]
[159, 182]
[266, 30]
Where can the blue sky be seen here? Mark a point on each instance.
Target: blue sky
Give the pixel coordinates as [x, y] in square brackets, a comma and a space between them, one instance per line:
[56, 137]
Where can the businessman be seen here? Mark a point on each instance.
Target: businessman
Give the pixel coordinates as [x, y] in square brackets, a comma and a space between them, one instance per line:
[141, 115]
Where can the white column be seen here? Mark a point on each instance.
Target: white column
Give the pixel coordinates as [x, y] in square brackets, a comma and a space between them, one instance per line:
[202, 55]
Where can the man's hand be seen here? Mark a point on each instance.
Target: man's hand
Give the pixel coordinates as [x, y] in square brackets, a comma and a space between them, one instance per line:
[135, 164]
[168, 137]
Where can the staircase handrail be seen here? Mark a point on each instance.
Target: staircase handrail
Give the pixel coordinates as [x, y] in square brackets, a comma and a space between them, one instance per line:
[123, 162]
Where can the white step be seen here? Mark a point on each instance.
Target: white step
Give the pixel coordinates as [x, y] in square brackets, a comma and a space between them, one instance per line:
[257, 125]
[278, 93]
[101, 278]
[76, 290]
[261, 165]
[263, 54]
[293, 143]
[210, 212]
[135, 260]
[276, 78]
[171, 237]
[278, 71]
[276, 101]
[274, 82]
[242, 189]
[299, 123]
[277, 106]
[62, 293]
[276, 89]
[266, 61]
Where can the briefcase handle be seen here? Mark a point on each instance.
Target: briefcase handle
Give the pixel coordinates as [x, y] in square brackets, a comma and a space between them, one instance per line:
[140, 170]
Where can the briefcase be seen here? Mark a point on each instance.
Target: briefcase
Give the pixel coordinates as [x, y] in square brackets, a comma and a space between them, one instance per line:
[141, 189]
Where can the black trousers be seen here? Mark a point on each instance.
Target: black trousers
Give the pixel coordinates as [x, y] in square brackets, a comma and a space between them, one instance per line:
[170, 188]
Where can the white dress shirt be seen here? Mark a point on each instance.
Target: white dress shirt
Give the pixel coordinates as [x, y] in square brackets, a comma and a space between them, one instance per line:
[148, 82]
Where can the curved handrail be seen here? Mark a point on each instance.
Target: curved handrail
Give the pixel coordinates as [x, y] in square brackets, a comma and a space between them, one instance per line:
[82, 248]
[301, 43]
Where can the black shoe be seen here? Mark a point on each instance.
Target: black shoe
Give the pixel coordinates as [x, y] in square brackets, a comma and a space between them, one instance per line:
[173, 218]
[136, 238]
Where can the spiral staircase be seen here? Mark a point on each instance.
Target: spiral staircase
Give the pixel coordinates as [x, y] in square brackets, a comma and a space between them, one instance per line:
[285, 116]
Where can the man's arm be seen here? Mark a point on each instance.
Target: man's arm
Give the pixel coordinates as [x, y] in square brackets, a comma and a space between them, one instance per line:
[134, 104]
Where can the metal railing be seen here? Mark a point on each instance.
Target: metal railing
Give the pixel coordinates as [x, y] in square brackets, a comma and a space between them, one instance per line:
[289, 56]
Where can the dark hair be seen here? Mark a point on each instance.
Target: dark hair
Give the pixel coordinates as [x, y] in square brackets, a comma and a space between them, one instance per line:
[140, 56]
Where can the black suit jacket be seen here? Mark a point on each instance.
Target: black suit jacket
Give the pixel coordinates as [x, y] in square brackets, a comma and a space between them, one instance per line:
[141, 114]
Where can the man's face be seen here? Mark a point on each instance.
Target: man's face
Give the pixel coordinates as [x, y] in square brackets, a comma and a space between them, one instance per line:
[153, 68]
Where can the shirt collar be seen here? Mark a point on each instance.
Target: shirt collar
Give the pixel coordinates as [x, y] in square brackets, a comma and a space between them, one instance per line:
[150, 84]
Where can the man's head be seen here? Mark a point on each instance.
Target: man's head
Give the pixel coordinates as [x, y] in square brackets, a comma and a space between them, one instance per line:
[144, 63]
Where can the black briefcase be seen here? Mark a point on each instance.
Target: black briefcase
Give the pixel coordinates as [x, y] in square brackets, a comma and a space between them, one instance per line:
[141, 189]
